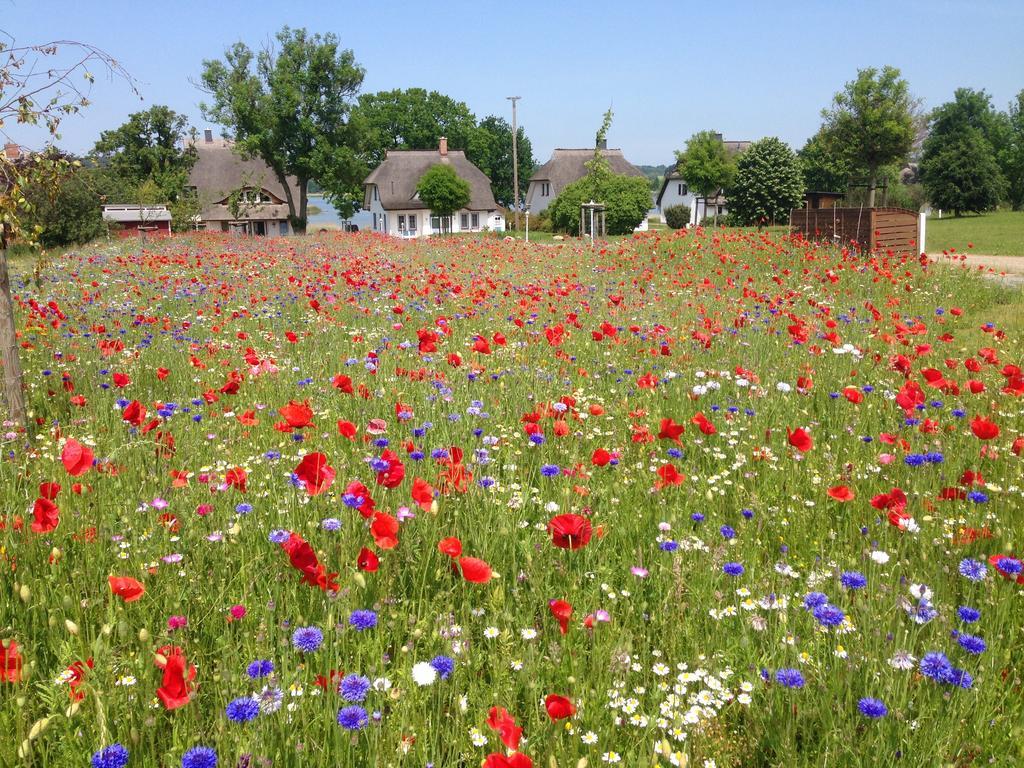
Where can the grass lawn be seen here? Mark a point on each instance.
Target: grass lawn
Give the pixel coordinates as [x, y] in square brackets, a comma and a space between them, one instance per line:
[996, 234]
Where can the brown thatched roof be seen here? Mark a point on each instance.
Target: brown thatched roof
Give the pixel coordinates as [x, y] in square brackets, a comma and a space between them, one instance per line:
[396, 179]
[568, 165]
[219, 170]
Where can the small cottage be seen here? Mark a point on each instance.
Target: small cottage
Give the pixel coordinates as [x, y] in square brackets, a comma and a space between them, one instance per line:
[390, 195]
[567, 166]
[129, 220]
[675, 191]
[238, 194]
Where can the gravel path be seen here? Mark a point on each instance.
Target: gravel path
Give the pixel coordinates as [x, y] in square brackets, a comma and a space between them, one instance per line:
[1005, 269]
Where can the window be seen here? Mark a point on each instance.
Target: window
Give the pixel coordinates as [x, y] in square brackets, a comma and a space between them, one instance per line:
[682, 190]
[375, 197]
[545, 190]
[412, 223]
[435, 223]
[375, 222]
[401, 223]
[476, 221]
[464, 221]
[284, 228]
[721, 210]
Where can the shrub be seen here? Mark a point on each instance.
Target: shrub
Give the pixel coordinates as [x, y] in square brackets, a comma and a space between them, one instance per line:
[627, 199]
[769, 183]
[677, 216]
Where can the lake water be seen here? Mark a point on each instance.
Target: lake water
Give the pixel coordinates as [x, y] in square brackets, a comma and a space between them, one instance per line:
[328, 216]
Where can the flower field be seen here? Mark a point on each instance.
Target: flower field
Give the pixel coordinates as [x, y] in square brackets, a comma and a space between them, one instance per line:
[706, 499]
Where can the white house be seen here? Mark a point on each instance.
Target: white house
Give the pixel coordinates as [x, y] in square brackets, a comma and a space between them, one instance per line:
[674, 191]
[389, 194]
[567, 166]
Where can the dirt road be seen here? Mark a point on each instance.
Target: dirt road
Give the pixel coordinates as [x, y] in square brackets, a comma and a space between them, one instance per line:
[1006, 269]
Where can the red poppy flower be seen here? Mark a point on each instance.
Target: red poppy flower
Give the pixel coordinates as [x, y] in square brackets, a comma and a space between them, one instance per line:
[895, 500]
[475, 570]
[515, 760]
[668, 475]
[996, 560]
[498, 719]
[315, 473]
[799, 439]
[558, 707]
[49, 491]
[392, 476]
[236, 478]
[357, 490]
[347, 429]
[600, 458]
[450, 546]
[669, 430]
[384, 530]
[304, 560]
[841, 493]
[10, 662]
[121, 380]
[422, 494]
[46, 516]
[127, 588]
[562, 612]
[298, 415]
[367, 560]
[703, 424]
[343, 383]
[77, 458]
[984, 429]
[569, 531]
[134, 413]
[854, 395]
[176, 688]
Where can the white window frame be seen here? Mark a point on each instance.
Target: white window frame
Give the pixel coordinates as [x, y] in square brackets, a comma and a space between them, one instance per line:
[464, 222]
[474, 220]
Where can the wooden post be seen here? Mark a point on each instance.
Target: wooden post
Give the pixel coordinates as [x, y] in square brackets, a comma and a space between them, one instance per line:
[14, 394]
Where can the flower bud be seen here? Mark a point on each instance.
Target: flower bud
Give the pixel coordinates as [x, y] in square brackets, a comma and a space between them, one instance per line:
[24, 593]
[70, 626]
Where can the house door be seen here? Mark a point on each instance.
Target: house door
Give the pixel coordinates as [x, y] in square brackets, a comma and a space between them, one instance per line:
[259, 228]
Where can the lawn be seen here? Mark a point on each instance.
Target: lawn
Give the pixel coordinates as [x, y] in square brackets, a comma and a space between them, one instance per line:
[993, 234]
[351, 500]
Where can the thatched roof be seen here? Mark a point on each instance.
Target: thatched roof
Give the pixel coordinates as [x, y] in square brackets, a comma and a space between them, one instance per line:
[568, 165]
[219, 170]
[396, 179]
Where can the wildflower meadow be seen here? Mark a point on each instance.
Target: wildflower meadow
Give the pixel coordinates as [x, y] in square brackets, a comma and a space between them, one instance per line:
[714, 498]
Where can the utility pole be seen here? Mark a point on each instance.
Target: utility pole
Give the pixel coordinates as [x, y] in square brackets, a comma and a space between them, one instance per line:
[515, 162]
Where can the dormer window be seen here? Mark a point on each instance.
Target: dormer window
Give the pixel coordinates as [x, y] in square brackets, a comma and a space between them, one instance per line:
[250, 196]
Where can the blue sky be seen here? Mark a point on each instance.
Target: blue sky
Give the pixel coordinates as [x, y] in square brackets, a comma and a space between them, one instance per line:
[668, 69]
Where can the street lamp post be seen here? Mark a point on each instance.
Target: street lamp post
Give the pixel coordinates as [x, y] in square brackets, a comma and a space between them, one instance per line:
[527, 223]
[515, 162]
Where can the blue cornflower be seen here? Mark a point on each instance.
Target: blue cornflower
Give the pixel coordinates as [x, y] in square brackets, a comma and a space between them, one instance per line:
[959, 677]
[550, 470]
[537, 439]
[416, 455]
[971, 643]
[485, 482]
[675, 453]
[352, 500]
[307, 639]
[279, 536]
[331, 524]
[380, 465]
[829, 615]
[959, 413]
[733, 569]
[242, 710]
[936, 666]
[813, 600]
[972, 569]
[114, 756]
[272, 455]
[439, 453]
[697, 517]
[354, 687]
[353, 718]
[913, 460]
[243, 508]
[934, 458]
[748, 514]
[967, 614]
[853, 580]
[668, 546]
[727, 531]
[199, 757]
[259, 668]
[789, 678]
[977, 497]
[443, 665]
[1009, 565]
[922, 613]
[381, 442]
[873, 708]
[362, 619]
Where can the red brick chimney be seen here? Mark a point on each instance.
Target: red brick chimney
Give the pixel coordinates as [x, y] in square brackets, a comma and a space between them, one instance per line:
[442, 147]
[12, 151]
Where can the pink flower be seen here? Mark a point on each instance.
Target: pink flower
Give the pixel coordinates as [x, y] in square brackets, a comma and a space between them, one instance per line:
[176, 622]
[236, 613]
[639, 572]
[886, 458]
[204, 509]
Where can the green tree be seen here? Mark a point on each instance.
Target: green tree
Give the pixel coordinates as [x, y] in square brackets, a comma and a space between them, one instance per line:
[768, 183]
[413, 119]
[871, 123]
[443, 192]
[706, 165]
[961, 174]
[149, 147]
[491, 151]
[70, 212]
[824, 170]
[1011, 155]
[959, 168]
[291, 107]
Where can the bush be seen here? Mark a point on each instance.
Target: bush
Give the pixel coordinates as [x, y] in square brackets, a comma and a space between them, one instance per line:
[769, 183]
[677, 216]
[627, 199]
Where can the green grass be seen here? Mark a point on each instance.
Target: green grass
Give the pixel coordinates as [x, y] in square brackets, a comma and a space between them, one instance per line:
[1000, 233]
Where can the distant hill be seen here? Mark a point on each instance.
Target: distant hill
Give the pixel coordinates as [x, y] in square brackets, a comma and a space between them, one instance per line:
[654, 173]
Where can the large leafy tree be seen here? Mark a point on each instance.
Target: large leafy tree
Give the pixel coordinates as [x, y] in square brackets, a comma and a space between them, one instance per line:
[959, 169]
[706, 164]
[871, 123]
[443, 191]
[491, 151]
[413, 119]
[150, 146]
[291, 105]
[824, 169]
[768, 183]
[1011, 154]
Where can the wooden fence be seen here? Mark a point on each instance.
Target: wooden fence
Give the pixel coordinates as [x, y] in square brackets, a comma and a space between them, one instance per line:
[870, 229]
